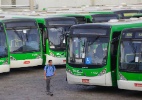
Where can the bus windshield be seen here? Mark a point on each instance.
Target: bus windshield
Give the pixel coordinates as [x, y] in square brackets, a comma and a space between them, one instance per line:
[3, 45]
[131, 55]
[88, 50]
[56, 35]
[23, 39]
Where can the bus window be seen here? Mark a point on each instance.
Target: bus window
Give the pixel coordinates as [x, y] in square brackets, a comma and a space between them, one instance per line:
[3, 46]
[131, 54]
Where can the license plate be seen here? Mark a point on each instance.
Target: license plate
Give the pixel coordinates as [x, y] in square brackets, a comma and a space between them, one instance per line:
[26, 62]
[85, 80]
[64, 61]
[138, 85]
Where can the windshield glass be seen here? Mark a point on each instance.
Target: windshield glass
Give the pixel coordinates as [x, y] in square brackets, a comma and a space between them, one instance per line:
[88, 50]
[3, 45]
[131, 55]
[23, 40]
[56, 37]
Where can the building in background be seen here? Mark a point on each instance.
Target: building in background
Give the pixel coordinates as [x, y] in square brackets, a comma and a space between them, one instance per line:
[73, 3]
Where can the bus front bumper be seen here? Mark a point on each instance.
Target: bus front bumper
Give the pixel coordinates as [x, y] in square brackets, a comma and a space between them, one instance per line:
[55, 60]
[130, 85]
[4, 68]
[97, 80]
[25, 63]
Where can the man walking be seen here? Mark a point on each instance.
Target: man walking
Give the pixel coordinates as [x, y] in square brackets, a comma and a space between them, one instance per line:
[49, 71]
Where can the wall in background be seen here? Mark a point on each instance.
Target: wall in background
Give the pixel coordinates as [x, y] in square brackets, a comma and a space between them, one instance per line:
[114, 2]
[59, 3]
[5, 2]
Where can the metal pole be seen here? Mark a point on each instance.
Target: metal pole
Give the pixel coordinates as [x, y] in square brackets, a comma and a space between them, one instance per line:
[31, 5]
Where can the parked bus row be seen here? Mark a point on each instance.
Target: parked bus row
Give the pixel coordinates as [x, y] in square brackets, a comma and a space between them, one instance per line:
[103, 53]
[33, 40]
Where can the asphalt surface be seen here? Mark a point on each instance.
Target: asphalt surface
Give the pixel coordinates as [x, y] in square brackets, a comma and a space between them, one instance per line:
[29, 84]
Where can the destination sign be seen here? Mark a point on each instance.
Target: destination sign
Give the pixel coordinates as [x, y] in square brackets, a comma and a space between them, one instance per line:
[127, 35]
[103, 18]
[138, 35]
[132, 35]
[61, 22]
[129, 14]
[101, 32]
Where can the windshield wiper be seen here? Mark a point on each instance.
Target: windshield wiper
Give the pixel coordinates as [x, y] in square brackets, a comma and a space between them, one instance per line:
[18, 50]
[31, 50]
[93, 41]
[97, 38]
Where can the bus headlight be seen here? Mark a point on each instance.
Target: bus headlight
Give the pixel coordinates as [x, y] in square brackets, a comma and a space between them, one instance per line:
[52, 54]
[12, 58]
[6, 62]
[122, 77]
[39, 56]
[68, 70]
[102, 72]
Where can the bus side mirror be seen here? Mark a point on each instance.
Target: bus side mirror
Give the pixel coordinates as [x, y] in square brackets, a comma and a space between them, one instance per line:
[115, 39]
[67, 34]
[66, 37]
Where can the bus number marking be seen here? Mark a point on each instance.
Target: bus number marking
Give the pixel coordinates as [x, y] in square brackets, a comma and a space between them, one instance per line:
[1, 61]
[26, 62]
[85, 80]
[138, 85]
[129, 34]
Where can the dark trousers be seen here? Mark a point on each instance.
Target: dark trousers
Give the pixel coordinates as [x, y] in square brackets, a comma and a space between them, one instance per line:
[48, 84]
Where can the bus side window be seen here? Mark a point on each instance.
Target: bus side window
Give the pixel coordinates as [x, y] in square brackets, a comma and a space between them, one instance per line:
[114, 48]
[44, 36]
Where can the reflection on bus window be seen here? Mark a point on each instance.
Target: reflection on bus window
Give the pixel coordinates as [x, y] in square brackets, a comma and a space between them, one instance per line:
[97, 51]
[131, 55]
[23, 40]
[3, 46]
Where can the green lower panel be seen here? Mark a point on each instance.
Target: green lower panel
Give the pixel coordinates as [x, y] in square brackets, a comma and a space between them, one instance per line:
[23, 56]
[85, 72]
[4, 61]
[132, 76]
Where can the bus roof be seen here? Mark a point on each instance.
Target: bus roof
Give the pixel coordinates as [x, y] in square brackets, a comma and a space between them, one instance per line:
[110, 24]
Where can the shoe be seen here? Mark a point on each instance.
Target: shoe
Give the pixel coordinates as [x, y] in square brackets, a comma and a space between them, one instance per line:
[51, 94]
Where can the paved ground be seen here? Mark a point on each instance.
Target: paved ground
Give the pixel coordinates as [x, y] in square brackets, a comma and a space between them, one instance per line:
[29, 84]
